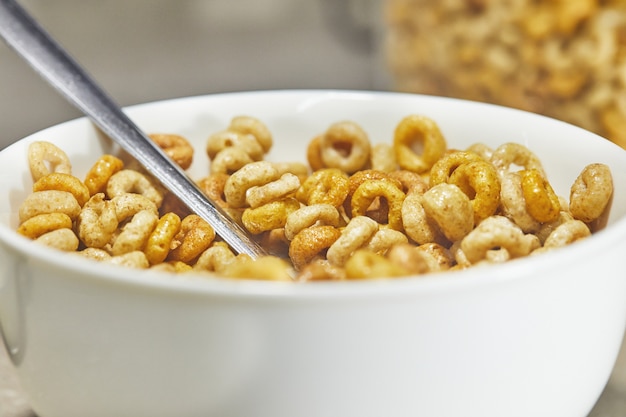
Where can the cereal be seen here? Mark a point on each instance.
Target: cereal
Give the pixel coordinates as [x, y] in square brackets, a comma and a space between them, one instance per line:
[176, 147]
[45, 158]
[421, 209]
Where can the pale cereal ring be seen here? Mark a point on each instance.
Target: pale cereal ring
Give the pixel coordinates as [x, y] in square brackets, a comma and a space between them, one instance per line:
[251, 175]
[45, 158]
[409, 180]
[213, 186]
[99, 174]
[510, 153]
[345, 146]
[451, 209]
[159, 242]
[311, 243]
[220, 141]
[269, 268]
[325, 186]
[135, 233]
[321, 270]
[95, 254]
[547, 228]
[44, 223]
[383, 158]
[136, 259]
[513, 204]
[484, 151]
[355, 235]
[270, 216]
[63, 182]
[497, 232]
[49, 201]
[129, 181]
[215, 259]
[541, 201]
[176, 147]
[479, 181]
[253, 126]
[445, 167]
[97, 221]
[437, 256]
[369, 190]
[414, 131]
[591, 193]
[307, 216]
[410, 258]
[194, 237]
[230, 160]
[127, 205]
[62, 239]
[417, 225]
[384, 239]
[567, 233]
[364, 264]
[282, 187]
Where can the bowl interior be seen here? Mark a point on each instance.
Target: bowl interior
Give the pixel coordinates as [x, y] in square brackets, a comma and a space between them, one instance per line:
[295, 117]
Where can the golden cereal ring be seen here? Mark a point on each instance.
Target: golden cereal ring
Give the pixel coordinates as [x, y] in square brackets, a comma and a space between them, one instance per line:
[253, 126]
[314, 153]
[510, 153]
[44, 223]
[591, 193]
[384, 239]
[45, 158]
[479, 181]
[215, 259]
[99, 174]
[567, 233]
[355, 235]
[513, 204]
[97, 222]
[497, 232]
[259, 195]
[308, 216]
[383, 158]
[230, 160]
[365, 194]
[270, 216]
[368, 265]
[414, 131]
[451, 210]
[445, 167]
[62, 239]
[311, 243]
[129, 181]
[417, 225]
[355, 180]
[135, 233]
[49, 201]
[231, 139]
[159, 242]
[213, 186]
[345, 146]
[409, 181]
[176, 147]
[325, 186]
[63, 182]
[541, 201]
[269, 268]
[194, 237]
[251, 175]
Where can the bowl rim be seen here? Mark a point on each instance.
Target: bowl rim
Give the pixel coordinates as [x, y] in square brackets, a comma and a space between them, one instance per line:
[446, 281]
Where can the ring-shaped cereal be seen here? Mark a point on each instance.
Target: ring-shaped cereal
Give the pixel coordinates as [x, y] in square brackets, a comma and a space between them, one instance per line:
[269, 268]
[253, 126]
[135, 259]
[591, 193]
[213, 186]
[368, 191]
[418, 227]
[511, 153]
[385, 239]
[230, 160]
[513, 204]
[97, 222]
[308, 216]
[100, 172]
[480, 182]
[567, 233]
[409, 180]
[542, 203]
[364, 264]
[311, 243]
[63, 182]
[345, 146]
[135, 233]
[314, 153]
[44, 223]
[215, 259]
[45, 158]
[220, 141]
[160, 240]
[445, 167]
[451, 209]
[176, 147]
[321, 270]
[49, 201]
[130, 181]
[383, 158]
[414, 132]
[127, 205]
[324, 186]
[355, 235]
[409, 257]
[194, 237]
[62, 239]
[251, 175]
[497, 232]
[270, 216]
[287, 184]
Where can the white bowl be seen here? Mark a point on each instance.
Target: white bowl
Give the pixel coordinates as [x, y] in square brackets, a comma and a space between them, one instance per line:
[534, 337]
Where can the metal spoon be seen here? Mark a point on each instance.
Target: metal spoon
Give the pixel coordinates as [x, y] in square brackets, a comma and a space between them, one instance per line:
[47, 57]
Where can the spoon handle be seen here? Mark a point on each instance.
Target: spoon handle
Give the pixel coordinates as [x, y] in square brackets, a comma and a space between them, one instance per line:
[28, 39]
